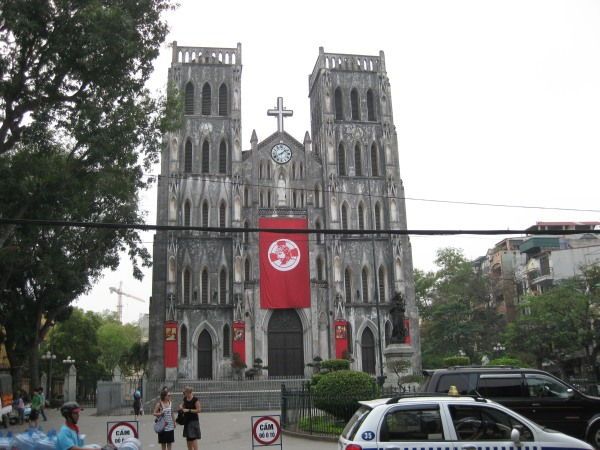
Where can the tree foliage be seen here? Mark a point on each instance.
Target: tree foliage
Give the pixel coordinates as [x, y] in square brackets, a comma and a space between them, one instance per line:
[456, 310]
[78, 128]
[552, 326]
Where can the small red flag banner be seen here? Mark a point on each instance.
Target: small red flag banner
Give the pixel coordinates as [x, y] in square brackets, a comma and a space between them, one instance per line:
[170, 344]
[284, 264]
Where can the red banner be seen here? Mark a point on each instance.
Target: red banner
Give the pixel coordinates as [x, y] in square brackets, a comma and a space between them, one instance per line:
[239, 339]
[170, 344]
[284, 262]
[341, 338]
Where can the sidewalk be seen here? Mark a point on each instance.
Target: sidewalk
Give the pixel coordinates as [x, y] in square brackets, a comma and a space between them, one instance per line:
[220, 431]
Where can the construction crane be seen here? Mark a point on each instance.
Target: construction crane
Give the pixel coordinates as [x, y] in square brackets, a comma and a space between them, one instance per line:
[120, 293]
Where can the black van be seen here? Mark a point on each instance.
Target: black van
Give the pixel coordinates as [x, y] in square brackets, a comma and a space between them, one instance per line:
[533, 393]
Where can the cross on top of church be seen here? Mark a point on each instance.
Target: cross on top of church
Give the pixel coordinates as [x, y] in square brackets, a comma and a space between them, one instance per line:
[280, 113]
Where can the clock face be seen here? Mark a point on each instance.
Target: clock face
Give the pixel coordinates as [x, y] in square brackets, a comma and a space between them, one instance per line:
[281, 153]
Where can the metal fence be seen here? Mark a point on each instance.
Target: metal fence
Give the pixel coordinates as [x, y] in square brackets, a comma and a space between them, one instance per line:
[300, 412]
[214, 395]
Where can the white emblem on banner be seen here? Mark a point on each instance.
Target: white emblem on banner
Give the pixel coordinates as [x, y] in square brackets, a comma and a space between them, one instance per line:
[284, 255]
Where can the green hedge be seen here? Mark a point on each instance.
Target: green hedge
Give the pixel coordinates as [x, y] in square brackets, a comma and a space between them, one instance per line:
[335, 364]
[457, 361]
[338, 392]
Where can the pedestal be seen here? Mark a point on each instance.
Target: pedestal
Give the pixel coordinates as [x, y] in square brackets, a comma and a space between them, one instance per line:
[70, 385]
[397, 356]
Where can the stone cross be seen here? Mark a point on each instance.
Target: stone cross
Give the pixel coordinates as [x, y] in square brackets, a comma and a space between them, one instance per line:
[280, 113]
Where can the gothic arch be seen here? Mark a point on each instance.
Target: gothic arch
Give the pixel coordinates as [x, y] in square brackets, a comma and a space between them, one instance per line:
[361, 215]
[187, 213]
[342, 169]
[223, 157]
[223, 286]
[370, 106]
[205, 214]
[382, 284]
[358, 166]
[348, 285]
[223, 214]
[186, 283]
[183, 344]
[204, 287]
[344, 216]
[365, 284]
[374, 160]
[214, 336]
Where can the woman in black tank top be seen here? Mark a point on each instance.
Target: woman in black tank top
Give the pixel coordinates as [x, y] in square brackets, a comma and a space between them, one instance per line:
[191, 428]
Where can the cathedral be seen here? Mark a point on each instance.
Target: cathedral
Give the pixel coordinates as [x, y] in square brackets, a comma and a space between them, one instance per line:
[338, 284]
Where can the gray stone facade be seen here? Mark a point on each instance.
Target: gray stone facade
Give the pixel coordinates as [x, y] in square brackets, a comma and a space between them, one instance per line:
[345, 177]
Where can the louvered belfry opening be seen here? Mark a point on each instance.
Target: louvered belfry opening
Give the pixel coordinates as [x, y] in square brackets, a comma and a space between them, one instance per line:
[339, 109]
[189, 98]
[223, 100]
[354, 104]
[206, 99]
[370, 106]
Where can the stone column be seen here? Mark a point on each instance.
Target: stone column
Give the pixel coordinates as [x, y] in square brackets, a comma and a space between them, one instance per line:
[394, 354]
[70, 385]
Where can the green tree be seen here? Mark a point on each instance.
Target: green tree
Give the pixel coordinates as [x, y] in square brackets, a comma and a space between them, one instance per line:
[456, 311]
[77, 130]
[115, 341]
[552, 326]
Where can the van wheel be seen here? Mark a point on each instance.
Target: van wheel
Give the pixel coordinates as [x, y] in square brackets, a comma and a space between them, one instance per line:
[594, 436]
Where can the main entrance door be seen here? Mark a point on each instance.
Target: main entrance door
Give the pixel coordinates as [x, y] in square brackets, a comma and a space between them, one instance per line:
[367, 344]
[204, 356]
[286, 351]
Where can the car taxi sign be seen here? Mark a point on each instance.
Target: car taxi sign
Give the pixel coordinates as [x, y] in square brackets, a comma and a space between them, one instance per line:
[266, 431]
[117, 432]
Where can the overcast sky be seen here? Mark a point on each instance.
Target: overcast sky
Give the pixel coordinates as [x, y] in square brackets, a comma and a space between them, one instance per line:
[494, 102]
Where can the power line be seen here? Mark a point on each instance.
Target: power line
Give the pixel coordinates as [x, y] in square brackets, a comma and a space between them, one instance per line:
[240, 230]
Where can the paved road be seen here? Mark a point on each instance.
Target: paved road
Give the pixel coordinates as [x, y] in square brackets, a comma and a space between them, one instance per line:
[220, 431]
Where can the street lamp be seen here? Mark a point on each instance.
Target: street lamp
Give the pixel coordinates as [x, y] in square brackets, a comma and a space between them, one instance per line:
[68, 361]
[499, 348]
[49, 356]
[461, 352]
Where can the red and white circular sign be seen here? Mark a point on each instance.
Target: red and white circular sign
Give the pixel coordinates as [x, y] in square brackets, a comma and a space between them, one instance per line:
[284, 255]
[266, 430]
[119, 431]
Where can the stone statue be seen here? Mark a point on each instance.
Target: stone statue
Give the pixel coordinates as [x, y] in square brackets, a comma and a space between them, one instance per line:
[397, 316]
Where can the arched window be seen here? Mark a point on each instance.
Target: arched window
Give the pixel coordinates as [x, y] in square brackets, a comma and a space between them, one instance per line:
[223, 287]
[344, 216]
[317, 196]
[318, 227]
[377, 216]
[204, 287]
[294, 199]
[361, 216]
[358, 160]
[247, 269]
[226, 341]
[381, 284]
[205, 157]
[187, 214]
[301, 171]
[205, 213]
[223, 157]
[341, 160]
[187, 286]
[268, 199]
[339, 109]
[246, 197]
[370, 106]
[222, 214]
[188, 157]
[223, 100]
[319, 269]
[183, 342]
[189, 98]
[293, 171]
[347, 286]
[206, 99]
[354, 104]
[374, 160]
[365, 285]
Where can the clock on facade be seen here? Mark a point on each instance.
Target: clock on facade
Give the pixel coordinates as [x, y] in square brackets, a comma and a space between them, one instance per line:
[281, 153]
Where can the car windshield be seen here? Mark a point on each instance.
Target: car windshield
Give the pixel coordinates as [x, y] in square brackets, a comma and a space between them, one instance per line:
[359, 416]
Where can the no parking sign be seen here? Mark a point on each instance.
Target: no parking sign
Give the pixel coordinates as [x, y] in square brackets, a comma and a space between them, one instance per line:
[117, 432]
[266, 431]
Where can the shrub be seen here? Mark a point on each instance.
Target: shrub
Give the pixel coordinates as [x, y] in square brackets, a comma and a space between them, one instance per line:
[508, 361]
[338, 392]
[335, 364]
[457, 361]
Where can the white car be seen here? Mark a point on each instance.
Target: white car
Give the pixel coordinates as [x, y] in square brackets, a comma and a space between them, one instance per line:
[447, 423]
